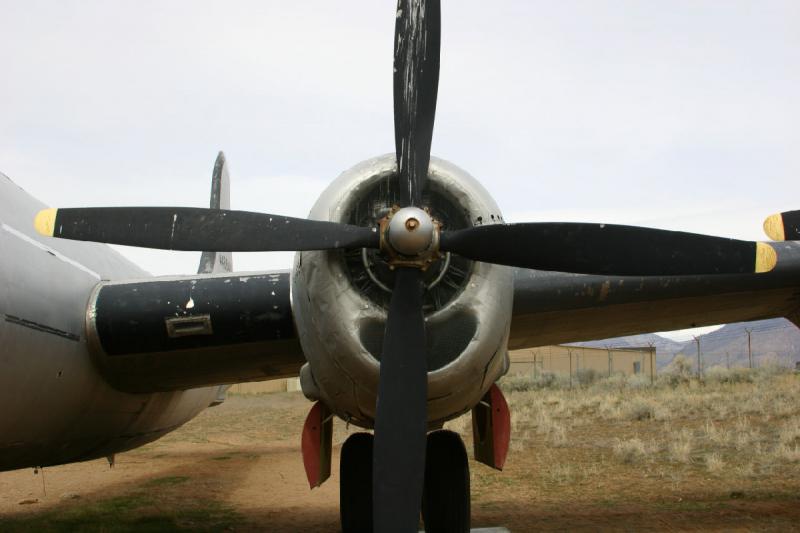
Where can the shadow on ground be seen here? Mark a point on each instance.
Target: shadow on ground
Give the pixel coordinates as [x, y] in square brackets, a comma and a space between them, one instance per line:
[172, 501]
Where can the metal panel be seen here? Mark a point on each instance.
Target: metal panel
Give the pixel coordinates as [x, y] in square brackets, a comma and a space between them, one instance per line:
[178, 333]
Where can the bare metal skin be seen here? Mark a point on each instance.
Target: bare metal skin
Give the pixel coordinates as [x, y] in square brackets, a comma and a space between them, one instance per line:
[56, 406]
[329, 311]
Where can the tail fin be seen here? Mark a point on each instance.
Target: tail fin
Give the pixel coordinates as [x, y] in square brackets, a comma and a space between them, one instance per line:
[212, 262]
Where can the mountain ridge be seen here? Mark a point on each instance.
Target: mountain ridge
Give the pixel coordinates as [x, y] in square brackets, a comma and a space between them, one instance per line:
[775, 339]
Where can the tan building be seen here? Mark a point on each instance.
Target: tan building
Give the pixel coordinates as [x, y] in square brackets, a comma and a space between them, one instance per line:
[263, 387]
[559, 360]
[570, 360]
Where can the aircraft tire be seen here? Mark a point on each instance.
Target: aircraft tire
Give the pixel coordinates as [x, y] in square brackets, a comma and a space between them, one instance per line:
[355, 484]
[446, 497]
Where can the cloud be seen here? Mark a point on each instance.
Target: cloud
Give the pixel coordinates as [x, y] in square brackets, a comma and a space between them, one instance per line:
[681, 115]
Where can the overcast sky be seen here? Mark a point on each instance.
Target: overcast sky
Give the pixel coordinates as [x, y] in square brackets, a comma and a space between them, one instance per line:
[680, 115]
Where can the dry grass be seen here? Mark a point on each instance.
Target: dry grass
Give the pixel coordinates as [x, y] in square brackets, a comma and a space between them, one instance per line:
[790, 432]
[615, 455]
[680, 446]
[714, 463]
[737, 424]
[631, 450]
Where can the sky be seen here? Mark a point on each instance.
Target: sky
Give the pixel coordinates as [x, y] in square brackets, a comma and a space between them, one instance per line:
[679, 115]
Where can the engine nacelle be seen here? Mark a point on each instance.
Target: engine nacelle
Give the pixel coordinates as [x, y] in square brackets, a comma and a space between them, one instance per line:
[340, 299]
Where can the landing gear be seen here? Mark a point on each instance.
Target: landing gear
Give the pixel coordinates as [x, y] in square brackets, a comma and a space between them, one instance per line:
[446, 498]
[355, 484]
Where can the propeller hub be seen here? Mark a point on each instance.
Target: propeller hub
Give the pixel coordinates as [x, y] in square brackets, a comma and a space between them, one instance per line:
[410, 238]
[410, 231]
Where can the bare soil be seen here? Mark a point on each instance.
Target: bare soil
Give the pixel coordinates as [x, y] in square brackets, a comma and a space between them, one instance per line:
[237, 467]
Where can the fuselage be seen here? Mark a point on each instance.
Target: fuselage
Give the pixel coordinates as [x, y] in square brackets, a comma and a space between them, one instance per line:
[56, 406]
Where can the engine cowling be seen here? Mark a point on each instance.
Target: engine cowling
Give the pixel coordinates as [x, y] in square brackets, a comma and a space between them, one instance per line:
[340, 298]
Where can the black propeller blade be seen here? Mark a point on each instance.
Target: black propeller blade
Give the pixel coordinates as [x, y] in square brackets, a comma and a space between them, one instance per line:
[212, 230]
[417, 37]
[607, 249]
[783, 226]
[401, 413]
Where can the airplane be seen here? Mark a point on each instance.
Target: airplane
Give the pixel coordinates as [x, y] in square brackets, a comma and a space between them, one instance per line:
[406, 293]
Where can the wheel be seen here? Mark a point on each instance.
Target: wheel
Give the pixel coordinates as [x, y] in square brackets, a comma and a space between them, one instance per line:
[355, 484]
[446, 498]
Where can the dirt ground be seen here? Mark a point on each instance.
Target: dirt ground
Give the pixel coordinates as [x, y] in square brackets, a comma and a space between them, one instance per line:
[237, 467]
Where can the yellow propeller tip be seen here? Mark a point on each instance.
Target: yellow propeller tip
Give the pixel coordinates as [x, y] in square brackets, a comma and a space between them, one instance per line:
[766, 258]
[45, 222]
[773, 227]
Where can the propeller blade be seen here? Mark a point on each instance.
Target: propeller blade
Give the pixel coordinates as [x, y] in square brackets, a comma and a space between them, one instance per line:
[401, 414]
[190, 228]
[416, 84]
[783, 226]
[608, 249]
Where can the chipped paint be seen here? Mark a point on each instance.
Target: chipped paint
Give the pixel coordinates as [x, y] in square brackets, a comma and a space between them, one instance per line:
[604, 288]
[172, 232]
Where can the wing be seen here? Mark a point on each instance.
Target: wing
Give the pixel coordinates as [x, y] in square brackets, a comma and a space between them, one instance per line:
[190, 331]
[181, 332]
[555, 308]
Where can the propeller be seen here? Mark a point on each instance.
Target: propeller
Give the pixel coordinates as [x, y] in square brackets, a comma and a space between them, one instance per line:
[401, 414]
[201, 229]
[608, 249]
[401, 419]
[412, 239]
[783, 226]
[417, 37]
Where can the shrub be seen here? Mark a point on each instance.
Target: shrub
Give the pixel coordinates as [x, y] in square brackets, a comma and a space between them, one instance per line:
[548, 380]
[587, 376]
[639, 409]
[680, 449]
[638, 381]
[720, 374]
[718, 436]
[790, 432]
[523, 383]
[516, 383]
[771, 365]
[714, 463]
[631, 450]
[790, 454]
[616, 381]
[677, 372]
